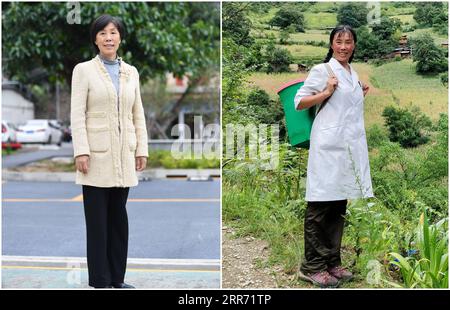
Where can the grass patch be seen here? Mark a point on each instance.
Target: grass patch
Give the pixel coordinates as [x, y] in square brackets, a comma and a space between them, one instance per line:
[405, 19]
[438, 38]
[309, 35]
[305, 51]
[320, 20]
[272, 82]
[8, 151]
[164, 159]
[402, 86]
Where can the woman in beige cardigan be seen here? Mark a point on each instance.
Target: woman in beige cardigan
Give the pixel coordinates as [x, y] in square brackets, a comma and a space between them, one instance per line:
[110, 144]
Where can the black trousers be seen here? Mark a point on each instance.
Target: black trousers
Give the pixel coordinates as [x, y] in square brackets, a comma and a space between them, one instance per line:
[107, 234]
[324, 226]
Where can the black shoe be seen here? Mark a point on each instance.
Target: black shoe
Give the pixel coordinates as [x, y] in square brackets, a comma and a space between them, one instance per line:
[108, 286]
[122, 285]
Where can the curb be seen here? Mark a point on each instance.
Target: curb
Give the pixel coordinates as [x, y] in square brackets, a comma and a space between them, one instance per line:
[146, 175]
[132, 263]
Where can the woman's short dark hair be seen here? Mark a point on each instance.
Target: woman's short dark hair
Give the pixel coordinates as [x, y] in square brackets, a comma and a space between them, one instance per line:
[338, 30]
[100, 23]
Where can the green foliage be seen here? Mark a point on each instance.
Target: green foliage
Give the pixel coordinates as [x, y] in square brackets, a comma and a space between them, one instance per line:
[255, 58]
[267, 203]
[284, 36]
[444, 79]
[376, 136]
[440, 22]
[402, 178]
[372, 46]
[235, 24]
[287, 16]
[429, 57]
[371, 231]
[386, 28]
[234, 73]
[407, 127]
[161, 37]
[430, 269]
[164, 159]
[367, 44]
[262, 110]
[353, 14]
[258, 97]
[278, 59]
[430, 14]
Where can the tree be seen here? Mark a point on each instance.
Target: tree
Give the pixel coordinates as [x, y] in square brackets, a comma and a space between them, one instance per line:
[386, 28]
[432, 14]
[286, 16]
[440, 22]
[352, 14]
[278, 59]
[429, 57]
[235, 23]
[426, 11]
[371, 46]
[406, 127]
[161, 37]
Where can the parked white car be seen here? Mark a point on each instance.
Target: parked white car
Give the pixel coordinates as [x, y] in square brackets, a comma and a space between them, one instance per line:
[9, 134]
[40, 131]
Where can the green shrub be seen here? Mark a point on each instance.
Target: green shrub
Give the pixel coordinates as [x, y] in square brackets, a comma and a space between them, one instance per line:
[407, 127]
[376, 136]
[258, 97]
[278, 60]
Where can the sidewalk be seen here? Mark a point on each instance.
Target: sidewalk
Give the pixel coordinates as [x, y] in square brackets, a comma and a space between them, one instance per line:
[41, 152]
[71, 272]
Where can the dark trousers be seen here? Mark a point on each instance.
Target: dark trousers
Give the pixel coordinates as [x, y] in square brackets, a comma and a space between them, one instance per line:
[324, 226]
[107, 234]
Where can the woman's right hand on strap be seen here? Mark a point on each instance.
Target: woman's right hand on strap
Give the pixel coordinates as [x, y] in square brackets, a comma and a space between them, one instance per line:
[332, 84]
[82, 163]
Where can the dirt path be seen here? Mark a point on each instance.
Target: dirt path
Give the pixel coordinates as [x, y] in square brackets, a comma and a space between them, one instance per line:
[244, 264]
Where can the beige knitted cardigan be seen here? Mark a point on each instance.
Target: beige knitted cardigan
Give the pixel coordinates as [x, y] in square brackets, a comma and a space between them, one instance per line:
[111, 133]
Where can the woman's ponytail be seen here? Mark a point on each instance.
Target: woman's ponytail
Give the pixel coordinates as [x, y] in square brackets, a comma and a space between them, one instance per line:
[329, 55]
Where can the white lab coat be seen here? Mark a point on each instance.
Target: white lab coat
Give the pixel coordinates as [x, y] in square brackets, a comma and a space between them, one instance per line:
[338, 162]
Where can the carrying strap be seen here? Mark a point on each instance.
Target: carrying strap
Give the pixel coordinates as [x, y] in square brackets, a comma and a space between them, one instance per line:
[330, 74]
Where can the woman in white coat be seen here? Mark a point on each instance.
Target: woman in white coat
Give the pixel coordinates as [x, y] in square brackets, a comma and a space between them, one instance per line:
[338, 162]
[110, 143]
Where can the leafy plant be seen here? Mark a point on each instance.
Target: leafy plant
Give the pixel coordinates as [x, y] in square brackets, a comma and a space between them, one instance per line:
[431, 269]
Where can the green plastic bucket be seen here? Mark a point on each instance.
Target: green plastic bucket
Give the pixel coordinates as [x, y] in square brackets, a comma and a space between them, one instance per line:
[298, 123]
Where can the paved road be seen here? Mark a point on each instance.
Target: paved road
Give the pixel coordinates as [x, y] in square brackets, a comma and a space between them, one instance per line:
[39, 152]
[170, 219]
